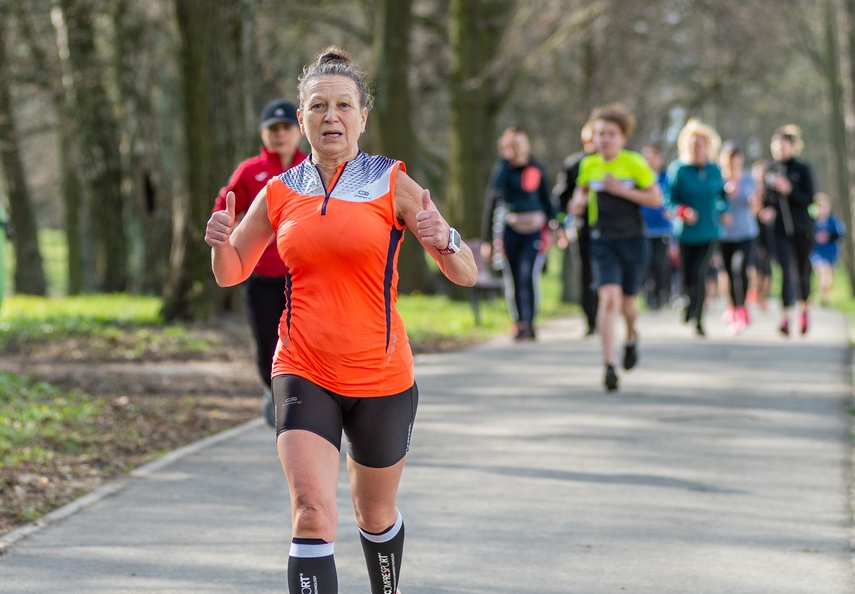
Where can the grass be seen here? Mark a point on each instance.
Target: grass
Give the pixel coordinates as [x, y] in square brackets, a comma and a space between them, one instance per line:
[113, 326]
[38, 419]
[841, 293]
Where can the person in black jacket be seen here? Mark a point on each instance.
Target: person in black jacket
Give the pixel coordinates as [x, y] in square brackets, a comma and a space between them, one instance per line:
[563, 192]
[519, 184]
[787, 194]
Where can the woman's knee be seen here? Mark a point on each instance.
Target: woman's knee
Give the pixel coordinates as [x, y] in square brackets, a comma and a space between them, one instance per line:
[314, 517]
[374, 516]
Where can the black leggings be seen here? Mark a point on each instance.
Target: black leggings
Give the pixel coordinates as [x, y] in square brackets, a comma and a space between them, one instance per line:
[590, 297]
[793, 254]
[695, 259]
[738, 257]
[264, 299]
[658, 271]
[524, 262]
[378, 428]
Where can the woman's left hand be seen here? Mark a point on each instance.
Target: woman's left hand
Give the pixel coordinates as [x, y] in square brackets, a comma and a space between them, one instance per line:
[432, 228]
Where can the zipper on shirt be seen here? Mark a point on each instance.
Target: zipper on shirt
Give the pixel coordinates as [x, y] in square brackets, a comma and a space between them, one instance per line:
[328, 192]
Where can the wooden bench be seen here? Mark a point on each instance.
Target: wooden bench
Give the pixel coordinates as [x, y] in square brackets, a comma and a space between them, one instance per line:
[489, 283]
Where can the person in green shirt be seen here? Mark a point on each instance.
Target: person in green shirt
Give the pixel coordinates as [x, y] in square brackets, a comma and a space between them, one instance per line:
[613, 185]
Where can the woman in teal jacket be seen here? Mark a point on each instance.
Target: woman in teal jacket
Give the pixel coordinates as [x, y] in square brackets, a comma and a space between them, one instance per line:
[697, 199]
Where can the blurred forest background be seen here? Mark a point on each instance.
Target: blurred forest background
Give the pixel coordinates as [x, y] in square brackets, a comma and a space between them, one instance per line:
[121, 119]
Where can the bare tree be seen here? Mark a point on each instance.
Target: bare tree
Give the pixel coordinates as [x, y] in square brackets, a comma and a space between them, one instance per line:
[834, 60]
[99, 141]
[29, 272]
[141, 37]
[210, 65]
[393, 120]
[475, 34]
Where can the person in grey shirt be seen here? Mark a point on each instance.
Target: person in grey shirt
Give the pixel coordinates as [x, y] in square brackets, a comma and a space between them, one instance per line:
[739, 243]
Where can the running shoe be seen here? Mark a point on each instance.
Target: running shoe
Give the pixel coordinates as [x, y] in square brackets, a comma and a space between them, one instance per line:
[611, 379]
[804, 322]
[525, 331]
[739, 322]
[728, 315]
[784, 328]
[630, 353]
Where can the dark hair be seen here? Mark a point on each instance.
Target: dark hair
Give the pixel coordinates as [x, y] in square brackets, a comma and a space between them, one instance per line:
[334, 61]
[730, 150]
[514, 128]
[656, 147]
[617, 114]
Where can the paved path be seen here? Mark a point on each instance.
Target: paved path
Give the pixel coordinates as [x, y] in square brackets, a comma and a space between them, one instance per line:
[723, 466]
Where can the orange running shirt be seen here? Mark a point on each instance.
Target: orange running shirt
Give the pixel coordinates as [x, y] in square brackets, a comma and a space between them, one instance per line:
[340, 328]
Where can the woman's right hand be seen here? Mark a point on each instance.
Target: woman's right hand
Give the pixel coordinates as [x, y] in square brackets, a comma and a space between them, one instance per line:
[766, 215]
[690, 216]
[221, 224]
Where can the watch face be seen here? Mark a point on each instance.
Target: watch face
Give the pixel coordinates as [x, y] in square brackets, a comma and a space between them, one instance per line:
[454, 239]
[453, 242]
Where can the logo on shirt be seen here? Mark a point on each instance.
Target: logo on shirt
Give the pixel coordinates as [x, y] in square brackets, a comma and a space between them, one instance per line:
[261, 176]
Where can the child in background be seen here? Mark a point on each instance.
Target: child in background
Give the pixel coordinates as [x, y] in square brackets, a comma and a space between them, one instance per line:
[828, 230]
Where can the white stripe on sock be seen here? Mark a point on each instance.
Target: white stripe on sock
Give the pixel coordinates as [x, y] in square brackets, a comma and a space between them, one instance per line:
[312, 551]
[386, 536]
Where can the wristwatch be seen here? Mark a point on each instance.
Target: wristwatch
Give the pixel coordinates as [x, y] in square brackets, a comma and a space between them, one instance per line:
[453, 243]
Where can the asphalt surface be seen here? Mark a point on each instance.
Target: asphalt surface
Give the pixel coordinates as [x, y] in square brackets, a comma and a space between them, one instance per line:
[723, 465]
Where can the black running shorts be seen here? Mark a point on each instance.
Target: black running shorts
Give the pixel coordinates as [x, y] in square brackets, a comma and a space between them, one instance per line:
[378, 429]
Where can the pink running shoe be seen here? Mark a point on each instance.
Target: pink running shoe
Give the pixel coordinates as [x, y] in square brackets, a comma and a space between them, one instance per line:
[739, 323]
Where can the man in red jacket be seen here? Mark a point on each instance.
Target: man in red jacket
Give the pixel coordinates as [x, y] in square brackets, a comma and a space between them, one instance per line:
[264, 291]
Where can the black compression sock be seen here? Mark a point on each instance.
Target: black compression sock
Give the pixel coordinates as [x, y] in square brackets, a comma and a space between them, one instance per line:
[383, 553]
[311, 567]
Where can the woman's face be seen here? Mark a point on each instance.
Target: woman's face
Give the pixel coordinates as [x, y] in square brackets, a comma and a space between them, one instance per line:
[782, 149]
[699, 146]
[608, 138]
[520, 148]
[331, 117]
[733, 164]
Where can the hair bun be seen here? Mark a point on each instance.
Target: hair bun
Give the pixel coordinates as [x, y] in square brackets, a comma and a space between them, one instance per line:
[332, 55]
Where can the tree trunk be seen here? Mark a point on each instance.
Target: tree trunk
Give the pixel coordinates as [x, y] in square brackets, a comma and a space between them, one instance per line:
[393, 119]
[99, 135]
[150, 205]
[29, 272]
[846, 18]
[210, 63]
[56, 79]
[834, 58]
[475, 32]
